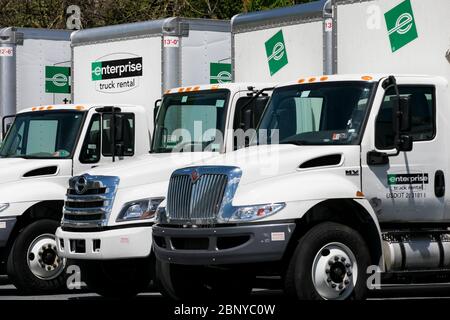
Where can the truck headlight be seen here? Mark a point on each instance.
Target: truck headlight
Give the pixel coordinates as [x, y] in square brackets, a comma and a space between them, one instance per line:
[249, 213]
[3, 206]
[139, 209]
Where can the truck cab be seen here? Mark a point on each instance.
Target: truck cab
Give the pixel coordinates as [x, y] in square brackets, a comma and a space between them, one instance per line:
[345, 176]
[44, 147]
[109, 211]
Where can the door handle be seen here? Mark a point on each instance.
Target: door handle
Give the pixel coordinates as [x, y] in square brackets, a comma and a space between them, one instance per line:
[439, 184]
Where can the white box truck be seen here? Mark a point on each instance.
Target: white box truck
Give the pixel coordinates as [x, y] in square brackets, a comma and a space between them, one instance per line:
[118, 246]
[47, 144]
[357, 195]
[34, 68]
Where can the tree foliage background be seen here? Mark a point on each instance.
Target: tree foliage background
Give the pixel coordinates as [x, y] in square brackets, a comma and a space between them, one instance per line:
[95, 13]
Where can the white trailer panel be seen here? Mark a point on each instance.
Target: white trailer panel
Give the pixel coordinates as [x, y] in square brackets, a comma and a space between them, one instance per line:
[366, 28]
[34, 68]
[139, 90]
[32, 59]
[279, 45]
[134, 63]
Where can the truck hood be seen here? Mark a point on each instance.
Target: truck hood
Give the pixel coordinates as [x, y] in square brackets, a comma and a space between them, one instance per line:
[267, 161]
[150, 168]
[15, 169]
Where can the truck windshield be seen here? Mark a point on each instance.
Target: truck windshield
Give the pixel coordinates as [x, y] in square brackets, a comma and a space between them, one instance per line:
[191, 122]
[316, 114]
[42, 135]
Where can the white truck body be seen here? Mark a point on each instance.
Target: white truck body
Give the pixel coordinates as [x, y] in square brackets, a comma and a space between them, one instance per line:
[162, 54]
[142, 179]
[26, 56]
[112, 68]
[333, 209]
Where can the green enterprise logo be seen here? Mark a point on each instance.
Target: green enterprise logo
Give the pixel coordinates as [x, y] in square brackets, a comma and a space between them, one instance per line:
[276, 52]
[57, 79]
[401, 25]
[219, 72]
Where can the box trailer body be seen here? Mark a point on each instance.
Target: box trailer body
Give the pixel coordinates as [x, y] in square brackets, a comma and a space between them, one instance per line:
[281, 44]
[34, 68]
[135, 63]
[356, 196]
[370, 40]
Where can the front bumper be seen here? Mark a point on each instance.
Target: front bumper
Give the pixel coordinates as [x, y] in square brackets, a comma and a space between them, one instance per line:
[105, 245]
[6, 227]
[222, 245]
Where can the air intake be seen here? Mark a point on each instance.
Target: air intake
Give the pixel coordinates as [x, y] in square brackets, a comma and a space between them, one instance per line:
[45, 171]
[324, 161]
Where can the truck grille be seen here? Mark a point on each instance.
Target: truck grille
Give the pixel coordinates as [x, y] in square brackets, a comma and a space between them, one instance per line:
[196, 195]
[89, 201]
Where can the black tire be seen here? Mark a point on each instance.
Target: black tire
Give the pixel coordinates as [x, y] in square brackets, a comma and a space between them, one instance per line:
[17, 265]
[200, 284]
[298, 281]
[117, 279]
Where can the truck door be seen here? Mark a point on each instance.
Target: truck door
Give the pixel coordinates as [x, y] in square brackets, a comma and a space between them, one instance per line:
[404, 189]
[96, 145]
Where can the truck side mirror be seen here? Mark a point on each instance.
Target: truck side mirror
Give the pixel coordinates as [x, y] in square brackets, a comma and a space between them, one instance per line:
[402, 114]
[156, 109]
[252, 113]
[119, 127]
[8, 126]
[247, 119]
[402, 124]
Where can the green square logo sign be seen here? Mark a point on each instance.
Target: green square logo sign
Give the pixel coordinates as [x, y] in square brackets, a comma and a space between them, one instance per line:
[401, 25]
[219, 72]
[96, 70]
[57, 79]
[276, 52]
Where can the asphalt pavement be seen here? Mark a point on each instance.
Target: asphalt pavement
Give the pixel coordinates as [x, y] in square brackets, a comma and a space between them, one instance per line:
[393, 292]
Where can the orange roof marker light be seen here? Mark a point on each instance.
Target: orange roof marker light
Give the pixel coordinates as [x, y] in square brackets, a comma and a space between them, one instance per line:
[188, 89]
[359, 194]
[41, 108]
[181, 90]
[216, 87]
[167, 91]
[367, 78]
[34, 109]
[324, 78]
[312, 79]
[79, 107]
[50, 107]
[301, 81]
[197, 88]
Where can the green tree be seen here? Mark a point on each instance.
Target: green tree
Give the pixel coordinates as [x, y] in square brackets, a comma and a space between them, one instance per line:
[95, 13]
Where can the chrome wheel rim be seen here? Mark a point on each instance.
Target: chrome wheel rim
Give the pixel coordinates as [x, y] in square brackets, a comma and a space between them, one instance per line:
[334, 271]
[43, 260]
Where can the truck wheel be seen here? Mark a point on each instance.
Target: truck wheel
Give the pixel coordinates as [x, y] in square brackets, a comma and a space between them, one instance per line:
[117, 278]
[329, 263]
[179, 282]
[33, 264]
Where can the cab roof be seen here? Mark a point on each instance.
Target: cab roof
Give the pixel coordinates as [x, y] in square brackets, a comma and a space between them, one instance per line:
[233, 86]
[356, 77]
[76, 107]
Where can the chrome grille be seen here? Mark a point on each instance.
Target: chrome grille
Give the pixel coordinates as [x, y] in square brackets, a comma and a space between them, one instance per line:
[201, 195]
[89, 201]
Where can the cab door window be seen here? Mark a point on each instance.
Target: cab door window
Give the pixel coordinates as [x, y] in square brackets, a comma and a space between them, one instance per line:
[422, 108]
